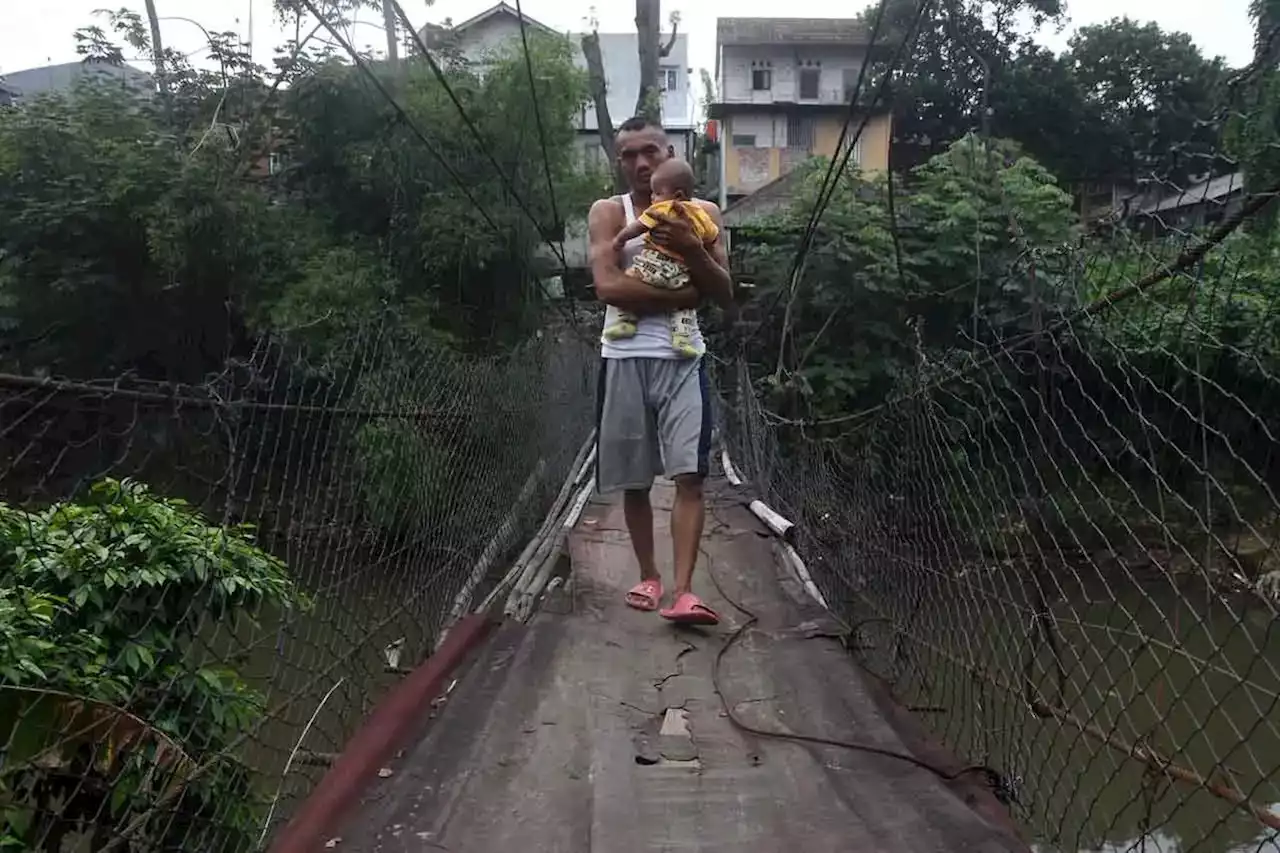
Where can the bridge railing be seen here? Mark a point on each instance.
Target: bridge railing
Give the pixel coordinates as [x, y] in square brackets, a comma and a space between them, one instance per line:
[1057, 535]
[207, 587]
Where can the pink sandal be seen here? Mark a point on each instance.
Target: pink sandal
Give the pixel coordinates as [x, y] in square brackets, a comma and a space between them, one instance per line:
[688, 609]
[646, 595]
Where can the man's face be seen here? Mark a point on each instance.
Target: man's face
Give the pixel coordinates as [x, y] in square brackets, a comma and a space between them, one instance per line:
[639, 153]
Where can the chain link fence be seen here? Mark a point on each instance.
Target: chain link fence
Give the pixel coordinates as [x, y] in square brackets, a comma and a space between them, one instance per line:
[203, 590]
[1055, 536]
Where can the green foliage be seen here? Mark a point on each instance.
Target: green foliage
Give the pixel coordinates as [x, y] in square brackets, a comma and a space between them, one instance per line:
[103, 604]
[136, 237]
[120, 250]
[141, 235]
[1219, 315]
[1124, 101]
[860, 318]
[1155, 94]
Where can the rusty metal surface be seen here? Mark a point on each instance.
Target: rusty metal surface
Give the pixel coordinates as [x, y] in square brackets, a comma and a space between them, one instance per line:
[599, 728]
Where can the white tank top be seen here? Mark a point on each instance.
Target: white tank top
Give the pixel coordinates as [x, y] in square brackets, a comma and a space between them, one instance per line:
[653, 333]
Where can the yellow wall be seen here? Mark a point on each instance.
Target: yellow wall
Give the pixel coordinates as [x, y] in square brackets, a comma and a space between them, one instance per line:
[742, 164]
[874, 141]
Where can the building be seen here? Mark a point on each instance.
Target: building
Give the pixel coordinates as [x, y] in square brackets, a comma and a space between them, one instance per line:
[20, 85]
[784, 86]
[498, 27]
[620, 53]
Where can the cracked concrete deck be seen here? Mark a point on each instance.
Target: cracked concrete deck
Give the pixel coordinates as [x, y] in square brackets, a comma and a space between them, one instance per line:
[599, 728]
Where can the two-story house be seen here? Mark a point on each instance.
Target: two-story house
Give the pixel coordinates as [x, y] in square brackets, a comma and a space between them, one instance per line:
[784, 86]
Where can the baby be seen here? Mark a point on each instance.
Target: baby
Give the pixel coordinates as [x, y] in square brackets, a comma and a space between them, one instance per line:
[658, 266]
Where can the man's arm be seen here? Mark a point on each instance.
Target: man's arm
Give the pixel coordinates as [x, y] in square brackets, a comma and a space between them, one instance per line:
[613, 287]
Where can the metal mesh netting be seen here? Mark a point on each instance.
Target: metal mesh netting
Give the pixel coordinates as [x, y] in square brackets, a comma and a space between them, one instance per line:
[203, 674]
[1055, 535]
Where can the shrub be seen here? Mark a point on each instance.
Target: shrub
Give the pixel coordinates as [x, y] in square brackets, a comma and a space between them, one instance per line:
[105, 698]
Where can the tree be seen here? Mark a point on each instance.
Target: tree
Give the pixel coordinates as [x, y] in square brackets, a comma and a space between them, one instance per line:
[958, 52]
[599, 90]
[164, 233]
[1253, 131]
[875, 288]
[1154, 93]
[157, 46]
[650, 51]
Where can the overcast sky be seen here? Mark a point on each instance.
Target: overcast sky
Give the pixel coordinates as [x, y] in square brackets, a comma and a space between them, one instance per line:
[39, 33]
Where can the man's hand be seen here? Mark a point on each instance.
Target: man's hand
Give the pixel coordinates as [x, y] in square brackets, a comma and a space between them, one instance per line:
[709, 264]
[676, 233]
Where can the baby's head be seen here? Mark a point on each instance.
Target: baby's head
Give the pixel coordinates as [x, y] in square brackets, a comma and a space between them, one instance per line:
[672, 181]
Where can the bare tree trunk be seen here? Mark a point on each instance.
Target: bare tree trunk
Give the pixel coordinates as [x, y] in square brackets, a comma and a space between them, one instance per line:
[649, 99]
[389, 23]
[157, 46]
[600, 97]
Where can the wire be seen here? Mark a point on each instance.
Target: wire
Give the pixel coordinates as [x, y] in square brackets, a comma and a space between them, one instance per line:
[408, 122]
[537, 116]
[994, 778]
[827, 192]
[830, 176]
[475, 131]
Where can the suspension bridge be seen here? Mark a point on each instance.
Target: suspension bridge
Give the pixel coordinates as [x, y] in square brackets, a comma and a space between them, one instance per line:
[1026, 599]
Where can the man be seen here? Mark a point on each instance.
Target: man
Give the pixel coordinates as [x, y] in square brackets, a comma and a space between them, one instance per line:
[653, 405]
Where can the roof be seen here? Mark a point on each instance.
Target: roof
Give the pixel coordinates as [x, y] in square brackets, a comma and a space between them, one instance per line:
[1211, 190]
[432, 32]
[773, 197]
[60, 78]
[758, 31]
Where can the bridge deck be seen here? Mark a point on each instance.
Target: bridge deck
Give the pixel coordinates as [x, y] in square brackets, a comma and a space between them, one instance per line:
[599, 728]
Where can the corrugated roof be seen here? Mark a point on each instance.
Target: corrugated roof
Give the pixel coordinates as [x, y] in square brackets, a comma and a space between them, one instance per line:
[790, 31]
[1198, 193]
[774, 197]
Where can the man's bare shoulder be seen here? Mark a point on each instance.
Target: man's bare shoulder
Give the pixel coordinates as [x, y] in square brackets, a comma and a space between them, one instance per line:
[606, 208]
[710, 208]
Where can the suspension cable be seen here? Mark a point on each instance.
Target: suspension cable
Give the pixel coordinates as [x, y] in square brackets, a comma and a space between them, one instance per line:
[537, 117]
[475, 131]
[834, 171]
[404, 118]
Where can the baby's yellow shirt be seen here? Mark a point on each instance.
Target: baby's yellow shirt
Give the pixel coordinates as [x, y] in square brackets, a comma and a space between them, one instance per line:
[701, 222]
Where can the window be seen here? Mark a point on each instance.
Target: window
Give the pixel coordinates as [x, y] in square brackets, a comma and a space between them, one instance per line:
[800, 133]
[670, 79]
[808, 84]
[744, 140]
[761, 79]
[850, 76]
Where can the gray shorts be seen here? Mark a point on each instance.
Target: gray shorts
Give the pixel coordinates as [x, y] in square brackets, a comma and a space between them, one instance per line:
[654, 417]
